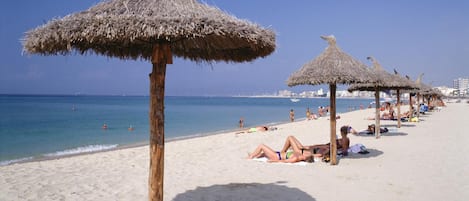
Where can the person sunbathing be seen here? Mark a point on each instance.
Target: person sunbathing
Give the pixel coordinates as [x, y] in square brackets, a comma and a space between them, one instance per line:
[371, 130]
[258, 129]
[290, 156]
[292, 151]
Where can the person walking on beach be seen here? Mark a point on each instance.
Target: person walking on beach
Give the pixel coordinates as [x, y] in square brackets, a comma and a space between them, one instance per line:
[292, 115]
[308, 114]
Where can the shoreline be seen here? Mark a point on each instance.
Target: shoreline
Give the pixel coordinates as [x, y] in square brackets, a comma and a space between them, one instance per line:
[43, 157]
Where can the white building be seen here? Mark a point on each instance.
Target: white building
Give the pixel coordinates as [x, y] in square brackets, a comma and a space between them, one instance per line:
[461, 85]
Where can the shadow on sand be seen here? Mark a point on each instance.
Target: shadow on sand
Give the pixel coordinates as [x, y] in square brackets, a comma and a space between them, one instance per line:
[373, 153]
[388, 134]
[395, 125]
[244, 192]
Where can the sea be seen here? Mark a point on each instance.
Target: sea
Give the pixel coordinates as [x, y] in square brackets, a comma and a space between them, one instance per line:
[38, 127]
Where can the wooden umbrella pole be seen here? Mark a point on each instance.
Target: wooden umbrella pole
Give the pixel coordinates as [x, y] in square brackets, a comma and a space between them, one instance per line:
[418, 106]
[398, 109]
[160, 57]
[410, 106]
[377, 126]
[332, 116]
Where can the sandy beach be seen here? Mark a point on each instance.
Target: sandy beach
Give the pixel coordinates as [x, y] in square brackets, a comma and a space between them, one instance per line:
[419, 161]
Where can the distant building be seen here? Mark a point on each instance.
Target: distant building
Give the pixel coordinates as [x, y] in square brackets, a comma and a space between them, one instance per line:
[285, 93]
[446, 90]
[461, 86]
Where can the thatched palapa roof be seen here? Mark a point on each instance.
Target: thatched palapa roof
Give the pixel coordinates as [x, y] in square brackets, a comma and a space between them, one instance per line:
[425, 89]
[384, 81]
[332, 66]
[127, 29]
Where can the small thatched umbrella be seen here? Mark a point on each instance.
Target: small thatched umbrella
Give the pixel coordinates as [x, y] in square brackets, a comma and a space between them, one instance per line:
[407, 79]
[333, 66]
[153, 30]
[385, 81]
[422, 89]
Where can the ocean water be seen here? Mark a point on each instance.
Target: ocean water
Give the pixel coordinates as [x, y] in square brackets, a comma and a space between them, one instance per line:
[38, 127]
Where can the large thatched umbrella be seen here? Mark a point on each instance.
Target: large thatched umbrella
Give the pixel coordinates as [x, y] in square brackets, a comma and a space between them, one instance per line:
[153, 30]
[385, 81]
[333, 66]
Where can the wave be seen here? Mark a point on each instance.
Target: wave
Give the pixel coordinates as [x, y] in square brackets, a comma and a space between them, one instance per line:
[8, 162]
[79, 150]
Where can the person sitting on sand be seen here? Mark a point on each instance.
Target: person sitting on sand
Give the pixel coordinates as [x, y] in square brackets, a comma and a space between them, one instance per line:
[313, 116]
[388, 113]
[343, 143]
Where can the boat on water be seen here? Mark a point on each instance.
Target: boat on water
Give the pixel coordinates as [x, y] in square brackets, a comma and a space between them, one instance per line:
[294, 100]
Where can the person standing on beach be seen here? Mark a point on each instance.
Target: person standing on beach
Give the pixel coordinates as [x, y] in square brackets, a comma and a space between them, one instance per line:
[292, 115]
[241, 122]
[308, 114]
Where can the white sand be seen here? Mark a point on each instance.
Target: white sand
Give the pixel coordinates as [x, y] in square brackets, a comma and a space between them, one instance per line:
[419, 161]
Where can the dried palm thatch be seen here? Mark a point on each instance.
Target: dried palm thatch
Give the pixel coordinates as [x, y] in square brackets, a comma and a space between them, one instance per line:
[385, 81]
[333, 66]
[127, 29]
[153, 30]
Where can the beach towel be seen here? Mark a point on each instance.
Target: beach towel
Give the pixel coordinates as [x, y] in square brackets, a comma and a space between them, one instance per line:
[358, 148]
[265, 159]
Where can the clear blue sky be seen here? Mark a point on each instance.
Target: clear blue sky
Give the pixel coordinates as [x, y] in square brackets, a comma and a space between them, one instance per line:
[430, 37]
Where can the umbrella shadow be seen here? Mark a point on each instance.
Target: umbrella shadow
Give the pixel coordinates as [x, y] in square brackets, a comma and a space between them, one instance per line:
[395, 125]
[388, 134]
[372, 153]
[244, 192]
[391, 133]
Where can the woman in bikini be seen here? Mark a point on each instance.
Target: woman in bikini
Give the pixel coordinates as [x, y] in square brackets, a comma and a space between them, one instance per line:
[297, 154]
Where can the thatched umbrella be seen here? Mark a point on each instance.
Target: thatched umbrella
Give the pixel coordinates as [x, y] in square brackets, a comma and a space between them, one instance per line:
[153, 30]
[385, 81]
[415, 87]
[422, 89]
[333, 66]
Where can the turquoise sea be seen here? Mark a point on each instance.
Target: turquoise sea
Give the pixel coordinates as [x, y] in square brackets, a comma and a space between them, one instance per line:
[42, 126]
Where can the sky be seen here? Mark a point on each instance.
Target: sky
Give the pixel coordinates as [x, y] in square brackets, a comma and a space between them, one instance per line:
[413, 37]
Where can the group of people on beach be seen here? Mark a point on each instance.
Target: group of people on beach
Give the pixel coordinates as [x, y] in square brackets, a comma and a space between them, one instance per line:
[294, 151]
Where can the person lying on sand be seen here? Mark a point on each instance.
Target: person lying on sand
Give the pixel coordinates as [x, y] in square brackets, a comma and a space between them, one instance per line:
[292, 151]
[371, 130]
[279, 156]
[258, 129]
